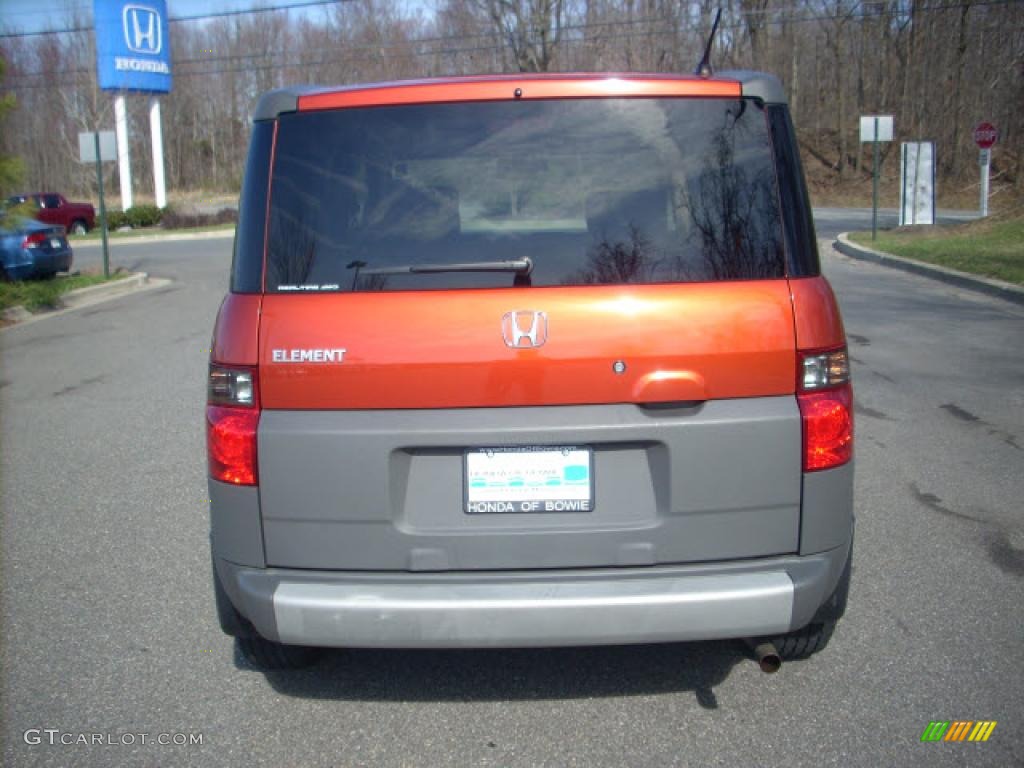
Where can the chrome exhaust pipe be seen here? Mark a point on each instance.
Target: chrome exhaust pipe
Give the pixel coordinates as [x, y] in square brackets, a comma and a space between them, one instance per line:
[767, 655]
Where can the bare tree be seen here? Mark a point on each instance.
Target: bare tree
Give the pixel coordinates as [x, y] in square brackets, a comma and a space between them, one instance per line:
[532, 29]
[939, 66]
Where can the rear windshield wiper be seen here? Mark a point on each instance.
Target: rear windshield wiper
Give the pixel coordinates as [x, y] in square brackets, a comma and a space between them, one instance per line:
[518, 266]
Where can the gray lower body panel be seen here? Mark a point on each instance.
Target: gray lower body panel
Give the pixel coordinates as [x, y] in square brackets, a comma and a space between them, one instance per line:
[383, 490]
[534, 609]
[826, 519]
[236, 532]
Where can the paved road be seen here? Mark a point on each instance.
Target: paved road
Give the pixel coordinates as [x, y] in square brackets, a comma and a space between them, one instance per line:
[108, 622]
[829, 222]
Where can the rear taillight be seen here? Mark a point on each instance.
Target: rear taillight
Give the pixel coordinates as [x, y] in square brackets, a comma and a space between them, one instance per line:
[231, 386]
[232, 417]
[35, 240]
[826, 408]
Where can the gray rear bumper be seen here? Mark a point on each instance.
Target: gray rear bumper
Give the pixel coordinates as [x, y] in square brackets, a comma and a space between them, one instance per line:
[535, 608]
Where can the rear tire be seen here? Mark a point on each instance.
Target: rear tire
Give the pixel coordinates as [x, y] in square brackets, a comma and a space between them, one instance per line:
[78, 227]
[804, 642]
[259, 651]
[266, 654]
[815, 636]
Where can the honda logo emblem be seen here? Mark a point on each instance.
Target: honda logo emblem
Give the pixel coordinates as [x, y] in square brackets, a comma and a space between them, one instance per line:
[524, 329]
[142, 29]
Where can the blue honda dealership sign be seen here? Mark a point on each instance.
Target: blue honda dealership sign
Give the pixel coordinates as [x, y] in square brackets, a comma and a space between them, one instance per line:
[133, 51]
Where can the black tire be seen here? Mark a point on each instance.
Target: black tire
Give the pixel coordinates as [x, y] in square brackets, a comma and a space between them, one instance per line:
[815, 636]
[804, 642]
[4, 277]
[259, 651]
[266, 654]
[78, 227]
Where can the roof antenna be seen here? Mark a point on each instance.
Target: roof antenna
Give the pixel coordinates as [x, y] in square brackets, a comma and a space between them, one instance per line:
[704, 68]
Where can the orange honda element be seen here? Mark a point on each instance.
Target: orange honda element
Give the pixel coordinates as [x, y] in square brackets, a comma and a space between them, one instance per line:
[517, 361]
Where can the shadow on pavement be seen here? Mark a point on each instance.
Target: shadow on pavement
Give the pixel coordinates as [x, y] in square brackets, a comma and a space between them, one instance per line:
[512, 674]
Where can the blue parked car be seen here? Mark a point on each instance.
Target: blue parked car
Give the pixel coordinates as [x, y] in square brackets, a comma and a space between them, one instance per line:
[30, 248]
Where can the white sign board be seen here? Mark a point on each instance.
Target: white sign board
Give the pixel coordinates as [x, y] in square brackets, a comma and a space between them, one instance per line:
[917, 183]
[867, 128]
[87, 147]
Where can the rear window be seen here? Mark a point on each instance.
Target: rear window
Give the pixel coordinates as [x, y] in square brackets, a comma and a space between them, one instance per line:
[609, 191]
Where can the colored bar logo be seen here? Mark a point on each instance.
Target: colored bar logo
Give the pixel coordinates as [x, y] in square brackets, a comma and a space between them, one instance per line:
[958, 730]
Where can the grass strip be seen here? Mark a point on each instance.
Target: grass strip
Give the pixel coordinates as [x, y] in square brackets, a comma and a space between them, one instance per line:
[992, 247]
[94, 235]
[37, 295]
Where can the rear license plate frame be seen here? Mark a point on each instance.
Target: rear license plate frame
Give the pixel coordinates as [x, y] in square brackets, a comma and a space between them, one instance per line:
[574, 495]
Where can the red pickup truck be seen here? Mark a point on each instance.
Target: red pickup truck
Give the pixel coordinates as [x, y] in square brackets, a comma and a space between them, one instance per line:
[76, 218]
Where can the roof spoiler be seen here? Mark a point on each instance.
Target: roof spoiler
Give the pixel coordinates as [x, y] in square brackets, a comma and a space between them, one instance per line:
[704, 68]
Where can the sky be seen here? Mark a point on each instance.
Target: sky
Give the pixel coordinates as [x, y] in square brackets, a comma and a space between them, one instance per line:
[34, 15]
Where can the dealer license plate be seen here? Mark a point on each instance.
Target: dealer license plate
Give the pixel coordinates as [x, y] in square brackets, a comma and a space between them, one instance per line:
[529, 479]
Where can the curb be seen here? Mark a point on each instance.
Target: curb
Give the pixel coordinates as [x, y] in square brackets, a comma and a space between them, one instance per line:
[81, 297]
[112, 241]
[84, 297]
[986, 285]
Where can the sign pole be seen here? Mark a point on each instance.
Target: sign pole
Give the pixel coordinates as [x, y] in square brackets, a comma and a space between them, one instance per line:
[875, 128]
[985, 136]
[156, 134]
[985, 160]
[103, 206]
[124, 163]
[874, 187]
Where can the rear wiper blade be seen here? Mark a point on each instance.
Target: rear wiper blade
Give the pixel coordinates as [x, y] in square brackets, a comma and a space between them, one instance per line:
[518, 266]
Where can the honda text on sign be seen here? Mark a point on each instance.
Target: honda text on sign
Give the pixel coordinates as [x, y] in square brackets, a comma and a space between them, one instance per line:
[132, 50]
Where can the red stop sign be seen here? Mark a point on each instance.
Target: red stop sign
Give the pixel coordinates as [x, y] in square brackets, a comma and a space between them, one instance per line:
[985, 135]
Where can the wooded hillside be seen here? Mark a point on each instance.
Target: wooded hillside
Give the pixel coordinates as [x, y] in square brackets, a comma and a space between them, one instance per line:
[939, 66]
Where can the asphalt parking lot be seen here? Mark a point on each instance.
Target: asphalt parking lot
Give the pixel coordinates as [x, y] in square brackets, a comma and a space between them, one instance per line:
[107, 615]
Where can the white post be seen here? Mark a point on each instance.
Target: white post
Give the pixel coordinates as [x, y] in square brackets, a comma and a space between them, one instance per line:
[986, 155]
[158, 152]
[124, 163]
